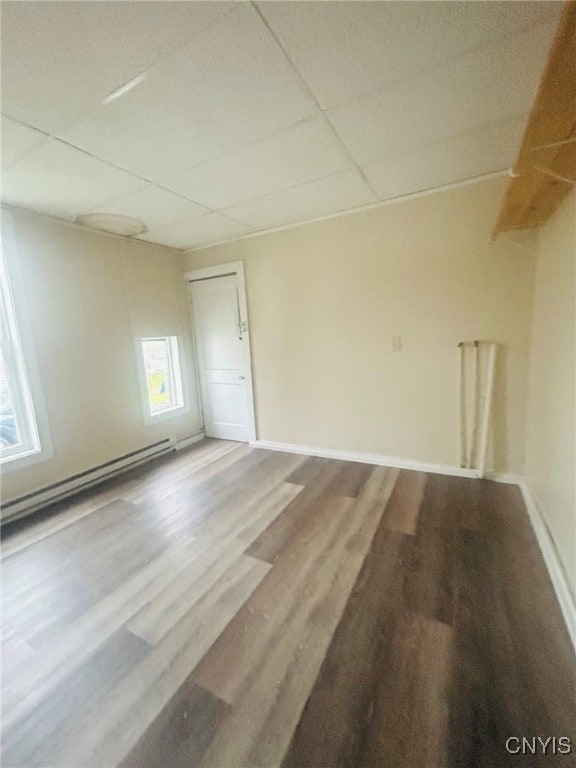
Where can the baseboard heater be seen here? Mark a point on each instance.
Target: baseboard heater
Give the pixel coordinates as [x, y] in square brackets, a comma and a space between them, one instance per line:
[32, 502]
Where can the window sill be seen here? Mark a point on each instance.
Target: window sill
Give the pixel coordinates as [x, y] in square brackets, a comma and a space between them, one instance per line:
[22, 459]
[166, 413]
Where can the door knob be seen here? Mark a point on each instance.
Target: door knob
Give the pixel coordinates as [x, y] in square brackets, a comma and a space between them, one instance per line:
[242, 378]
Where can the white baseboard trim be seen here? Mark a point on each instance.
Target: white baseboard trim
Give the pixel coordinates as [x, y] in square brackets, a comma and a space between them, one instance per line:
[384, 461]
[37, 499]
[186, 442]
[552, 560]
[549, 553]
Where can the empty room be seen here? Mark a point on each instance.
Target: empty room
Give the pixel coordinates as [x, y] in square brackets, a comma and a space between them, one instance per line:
[288, 393]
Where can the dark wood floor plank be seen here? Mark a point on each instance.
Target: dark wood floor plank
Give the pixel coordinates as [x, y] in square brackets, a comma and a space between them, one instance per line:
[331, 477]
[467, 496]
[409, 723]
[278, 536]
[180, 735]
[224, 670]
[431, 582]
[505, 653]
[231, 607]
[337, 714]
[403, 509]
[271, 742]
[296, 609]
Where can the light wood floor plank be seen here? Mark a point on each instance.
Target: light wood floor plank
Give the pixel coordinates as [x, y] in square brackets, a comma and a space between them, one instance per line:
[291, 643]
[83, 638]
[294, 581]
[229, 607]
[337, 717]
[129, 485]
[403, 508]
[37, 739]
[215, 554]
[140, 697]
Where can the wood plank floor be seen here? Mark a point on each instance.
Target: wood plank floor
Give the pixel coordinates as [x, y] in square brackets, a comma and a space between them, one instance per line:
[230, 607]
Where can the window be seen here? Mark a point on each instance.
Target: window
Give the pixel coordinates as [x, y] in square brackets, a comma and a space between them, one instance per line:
[163, 377]
[18, 429]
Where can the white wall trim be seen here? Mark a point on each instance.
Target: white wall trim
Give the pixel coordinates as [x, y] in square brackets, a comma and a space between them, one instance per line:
[384, 461]
[19, 210]
[545, 542]
[355, 209]
[186, 442]
[552, 560]
[230, 268]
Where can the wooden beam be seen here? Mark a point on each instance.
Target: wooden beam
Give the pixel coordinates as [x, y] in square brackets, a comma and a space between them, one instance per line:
[545, 169]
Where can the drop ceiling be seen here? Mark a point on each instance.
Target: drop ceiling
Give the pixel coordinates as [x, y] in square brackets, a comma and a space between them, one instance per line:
[249, 116]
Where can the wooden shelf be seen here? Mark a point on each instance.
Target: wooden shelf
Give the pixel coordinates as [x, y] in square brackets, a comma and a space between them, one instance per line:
[545, 170]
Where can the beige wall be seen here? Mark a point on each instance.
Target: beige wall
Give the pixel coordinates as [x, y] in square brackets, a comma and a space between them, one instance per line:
[83, 299]
[551, 433]
[325, 300]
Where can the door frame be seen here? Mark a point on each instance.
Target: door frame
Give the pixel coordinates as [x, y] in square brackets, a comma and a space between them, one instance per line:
[222, 270]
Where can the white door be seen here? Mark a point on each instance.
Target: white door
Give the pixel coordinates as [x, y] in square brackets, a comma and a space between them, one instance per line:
[219, 333]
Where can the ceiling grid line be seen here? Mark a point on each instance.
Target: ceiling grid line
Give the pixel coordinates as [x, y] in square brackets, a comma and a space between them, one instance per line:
[124, 170]
[439, 65]
[306, 88]
[223, 209]
[254, 117]
[359, 209]
[55, 137]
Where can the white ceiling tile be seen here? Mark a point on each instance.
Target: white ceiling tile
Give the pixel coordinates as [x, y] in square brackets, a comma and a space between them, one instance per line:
[60, 59]
[345, 49]
[308, 201]
[303, 152]
[230, 88]
[479, 89]
[432, 90]
[193, 233]
[62, 181]
[17, 139]
[154, 206]
[483, 151]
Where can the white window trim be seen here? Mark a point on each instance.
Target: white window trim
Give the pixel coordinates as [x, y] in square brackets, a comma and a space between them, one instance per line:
[17, 377]
[13, 263]
[176, 376]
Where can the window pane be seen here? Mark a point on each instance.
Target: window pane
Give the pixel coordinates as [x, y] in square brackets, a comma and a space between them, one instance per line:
[9, 432]
[159, 374]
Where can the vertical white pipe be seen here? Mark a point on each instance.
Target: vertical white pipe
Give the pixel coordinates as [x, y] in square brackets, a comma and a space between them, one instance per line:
[486, 410]
[462, 396]
[472, 449]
